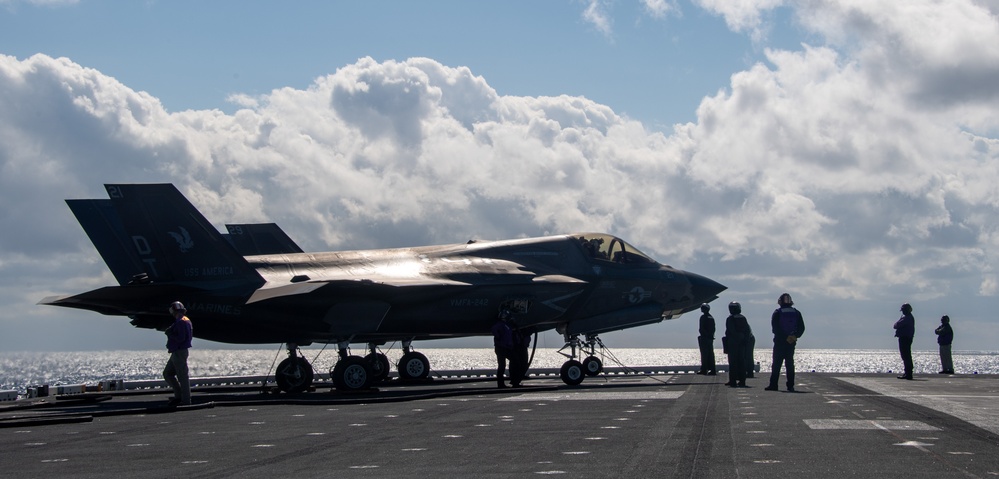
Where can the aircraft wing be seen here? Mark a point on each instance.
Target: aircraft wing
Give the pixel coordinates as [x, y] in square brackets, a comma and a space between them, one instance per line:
[277, 291]
[270, 291]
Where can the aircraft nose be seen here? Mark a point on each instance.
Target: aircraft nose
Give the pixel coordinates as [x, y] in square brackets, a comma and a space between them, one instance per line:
[704, 289]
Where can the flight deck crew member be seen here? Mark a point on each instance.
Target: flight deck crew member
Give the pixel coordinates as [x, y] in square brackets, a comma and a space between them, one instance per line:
[905, 329]
[788, 326]
[706, 342]
[518, 362]
[179, 336]
[503, 344]
[945, 337]
[737, 332]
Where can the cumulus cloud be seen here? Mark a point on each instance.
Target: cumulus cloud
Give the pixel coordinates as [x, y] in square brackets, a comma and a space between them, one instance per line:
[746, 16]
[890, 159]
[855, 169]
[937, 58]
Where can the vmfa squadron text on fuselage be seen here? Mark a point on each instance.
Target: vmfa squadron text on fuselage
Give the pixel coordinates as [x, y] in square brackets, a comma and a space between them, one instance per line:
[254, 285]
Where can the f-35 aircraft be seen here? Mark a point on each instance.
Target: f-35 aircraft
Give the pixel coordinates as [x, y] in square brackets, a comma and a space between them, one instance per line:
[254, 285]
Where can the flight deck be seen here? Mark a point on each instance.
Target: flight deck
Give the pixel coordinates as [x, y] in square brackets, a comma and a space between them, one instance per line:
[661, 425]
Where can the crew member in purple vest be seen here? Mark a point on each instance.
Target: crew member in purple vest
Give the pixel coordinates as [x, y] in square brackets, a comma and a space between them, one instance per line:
[179, 336]
[788, 326]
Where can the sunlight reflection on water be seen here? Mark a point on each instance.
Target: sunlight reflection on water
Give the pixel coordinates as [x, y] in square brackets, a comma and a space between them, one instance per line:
[20, 370]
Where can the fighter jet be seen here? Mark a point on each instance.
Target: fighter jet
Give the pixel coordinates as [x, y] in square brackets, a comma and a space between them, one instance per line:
[254, 285]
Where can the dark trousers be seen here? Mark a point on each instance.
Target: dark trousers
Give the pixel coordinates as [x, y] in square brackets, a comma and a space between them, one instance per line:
[502, 355]
[178, 377]
[737, 365]
[946, 361]
[707, 347]
[783, 354]
[518, 365]
[905, 349]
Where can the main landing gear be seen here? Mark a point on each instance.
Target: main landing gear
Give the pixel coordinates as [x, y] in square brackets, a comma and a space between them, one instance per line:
[351, 372]
[294, 374]
[573, 372]
[412, 365]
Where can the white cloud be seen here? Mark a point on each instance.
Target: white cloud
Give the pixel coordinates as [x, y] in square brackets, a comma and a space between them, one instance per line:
[743, 15]
[936, 56]
[838, 171]
[595, 14]
[660, 8]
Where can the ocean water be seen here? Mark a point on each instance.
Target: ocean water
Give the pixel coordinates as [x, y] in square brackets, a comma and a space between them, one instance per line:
[21, 370]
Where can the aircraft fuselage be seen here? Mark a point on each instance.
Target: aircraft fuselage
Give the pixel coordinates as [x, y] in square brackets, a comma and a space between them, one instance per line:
[439, 292]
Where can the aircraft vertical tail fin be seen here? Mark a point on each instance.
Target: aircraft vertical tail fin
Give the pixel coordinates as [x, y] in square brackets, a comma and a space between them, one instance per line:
[102, 224]
[173, 241]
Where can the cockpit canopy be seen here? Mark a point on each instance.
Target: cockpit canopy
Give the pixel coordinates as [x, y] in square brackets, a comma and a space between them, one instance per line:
[609, 248]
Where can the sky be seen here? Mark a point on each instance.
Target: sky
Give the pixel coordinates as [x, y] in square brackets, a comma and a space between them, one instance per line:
[843, 151]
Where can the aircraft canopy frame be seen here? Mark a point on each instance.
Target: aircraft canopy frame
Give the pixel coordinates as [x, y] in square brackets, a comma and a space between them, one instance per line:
[609, 248]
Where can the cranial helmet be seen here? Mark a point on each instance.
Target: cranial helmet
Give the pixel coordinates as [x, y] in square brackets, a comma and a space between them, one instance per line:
[785, 300]
[705, 308]
[906, 308]
[177, 306]
[734, 307]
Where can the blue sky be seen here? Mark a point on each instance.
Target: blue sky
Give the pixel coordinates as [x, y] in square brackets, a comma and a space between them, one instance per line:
[844, 151]
[192, 55]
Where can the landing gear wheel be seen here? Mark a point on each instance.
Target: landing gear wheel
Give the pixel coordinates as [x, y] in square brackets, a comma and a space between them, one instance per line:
[379, 366]
[572, 372]
[413, 365]
[592, 366]
[294, 375]
[351, 373]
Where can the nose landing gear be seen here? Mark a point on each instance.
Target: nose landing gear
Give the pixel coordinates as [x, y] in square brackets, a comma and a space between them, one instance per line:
[573, 372]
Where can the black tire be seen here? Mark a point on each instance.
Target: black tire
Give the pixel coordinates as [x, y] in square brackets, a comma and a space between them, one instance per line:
[379, 366]
[592, 366]
[351, 373]
[413, 365]
[572, 372]
[294, 375]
